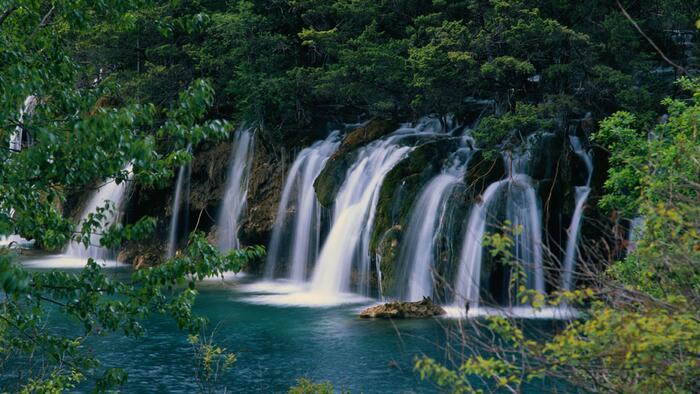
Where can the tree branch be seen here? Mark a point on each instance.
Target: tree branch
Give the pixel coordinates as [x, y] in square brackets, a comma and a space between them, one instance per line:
[681, 69]
[45, 19]
[7, 13]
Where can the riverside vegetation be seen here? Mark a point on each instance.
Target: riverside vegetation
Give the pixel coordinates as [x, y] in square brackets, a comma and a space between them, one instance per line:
[533, 113]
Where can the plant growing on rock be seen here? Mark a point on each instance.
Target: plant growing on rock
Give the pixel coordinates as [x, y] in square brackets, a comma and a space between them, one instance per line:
[638, 329]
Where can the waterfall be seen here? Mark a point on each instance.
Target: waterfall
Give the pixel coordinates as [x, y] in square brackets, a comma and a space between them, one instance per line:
[468, 276]
[234, 202]
[297, 230]
[16, 146]
[577, 147]
[27, 109]
[635, 233]
[110, 191]
[353, 213]
[427, 221]
[522, 211]
[573, 230]
[183, 176]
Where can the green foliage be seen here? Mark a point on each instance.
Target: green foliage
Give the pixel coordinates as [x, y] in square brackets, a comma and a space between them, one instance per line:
[643, 350]
[308, 386]
[655, 173]
[629, 149]
[631, 350]
[211, 361]
[103, 305]
[639, 329]
[442, 66]
[83, 136]
[511, 127]
[290, 64]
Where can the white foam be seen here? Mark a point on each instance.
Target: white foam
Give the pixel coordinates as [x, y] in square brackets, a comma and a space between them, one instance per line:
[226, 277]
[16, 241]
[519, 312]
[289, 295]
[274, 287]
[67, 261]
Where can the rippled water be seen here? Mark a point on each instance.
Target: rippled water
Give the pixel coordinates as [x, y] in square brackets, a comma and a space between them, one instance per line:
[275, 345]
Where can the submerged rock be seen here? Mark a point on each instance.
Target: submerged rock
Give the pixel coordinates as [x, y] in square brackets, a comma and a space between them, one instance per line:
[404, 310]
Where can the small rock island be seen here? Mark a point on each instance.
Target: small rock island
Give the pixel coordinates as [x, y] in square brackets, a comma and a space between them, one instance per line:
[404, 310]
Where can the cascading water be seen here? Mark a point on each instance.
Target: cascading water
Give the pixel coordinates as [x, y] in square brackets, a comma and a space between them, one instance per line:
[636, 232]
[354, 211]
[183, 176]
[27, 109]
[234, 202]
[16, 146]
[428, 219]
[523, 212]
[469, 274]
[297, 230]
[582, 193]
[116, 194]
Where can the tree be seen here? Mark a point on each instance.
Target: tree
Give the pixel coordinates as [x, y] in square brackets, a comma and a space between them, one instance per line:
[639, 329]
[82, 135]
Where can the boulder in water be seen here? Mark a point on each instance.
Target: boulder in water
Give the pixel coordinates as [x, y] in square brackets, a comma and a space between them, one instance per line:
[404, 310]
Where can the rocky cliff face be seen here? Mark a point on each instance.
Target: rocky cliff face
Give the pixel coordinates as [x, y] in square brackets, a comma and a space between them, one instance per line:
[207, 186]
[552, 165]
[264, 194]
[333, 174]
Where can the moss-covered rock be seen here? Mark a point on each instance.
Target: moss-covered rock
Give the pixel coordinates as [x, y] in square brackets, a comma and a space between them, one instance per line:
[404, 310]
[396, 197]
[265, 184]
[363, 135]
[331, 178]
[142, 254]
[209, 172]
[386, 252]
[483, 170]
[546, 151]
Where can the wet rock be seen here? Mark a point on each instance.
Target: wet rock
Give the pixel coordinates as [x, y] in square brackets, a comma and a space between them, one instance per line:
[396, 197]
[363, 135]
[331, 178]
[386, 251]
[483, 170]
[264, 193]
[209, 172]
[545, 152]
[142, 254]
[404, 310]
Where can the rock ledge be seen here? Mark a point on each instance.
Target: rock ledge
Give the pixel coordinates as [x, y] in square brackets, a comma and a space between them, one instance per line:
[404, 310]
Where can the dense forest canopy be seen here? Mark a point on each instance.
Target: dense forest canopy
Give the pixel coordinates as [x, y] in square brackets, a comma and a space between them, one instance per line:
[120, 89]
[292, 64]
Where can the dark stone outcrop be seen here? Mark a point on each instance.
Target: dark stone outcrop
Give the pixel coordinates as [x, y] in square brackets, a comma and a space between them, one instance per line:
[142, 254]
[363, 135]
[209, 173]
[397, 196]
[331, 178]
[264, 193]
[483, 170]
[404, 310]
